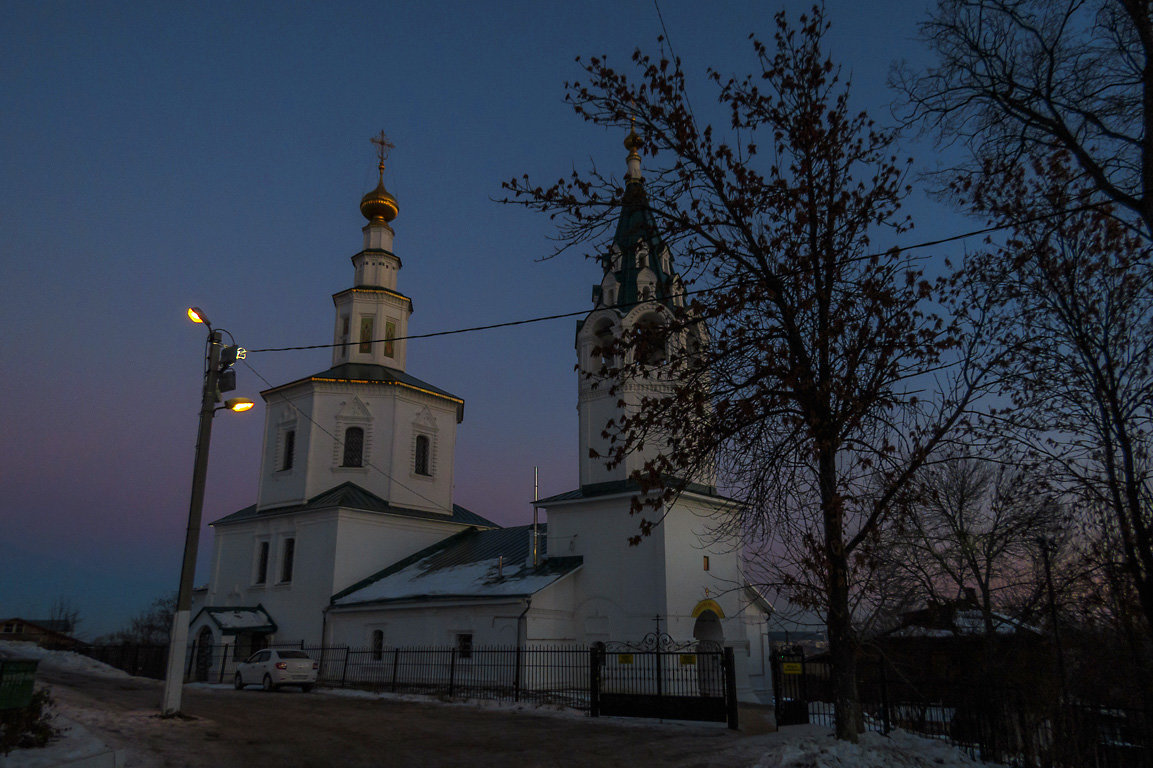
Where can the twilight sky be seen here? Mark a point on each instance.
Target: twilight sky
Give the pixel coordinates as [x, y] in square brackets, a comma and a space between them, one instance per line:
[162, 155]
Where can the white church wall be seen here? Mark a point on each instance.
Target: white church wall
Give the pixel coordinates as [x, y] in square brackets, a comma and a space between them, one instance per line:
[368, 542]
[618, 582]
[295, 604]
[288, 411]
[435, 419]
[489, 623]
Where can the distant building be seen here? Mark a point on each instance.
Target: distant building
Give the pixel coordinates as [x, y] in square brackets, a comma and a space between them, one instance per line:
[355, 540]
[47, 633]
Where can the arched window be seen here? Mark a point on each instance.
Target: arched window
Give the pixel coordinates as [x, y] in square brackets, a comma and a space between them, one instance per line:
[650, 339]
[422, 451]
[353, 447]
[377, 644]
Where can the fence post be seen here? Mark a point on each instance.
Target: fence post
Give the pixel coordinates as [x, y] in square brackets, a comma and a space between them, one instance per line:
[452, 673]
[516, 684]
[731, 689]
[594, 683]
[395, 666]
[660, 673]
[223, 664]
[344, 672]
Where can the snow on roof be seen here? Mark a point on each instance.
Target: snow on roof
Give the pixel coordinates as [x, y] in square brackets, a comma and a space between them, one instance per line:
[473, 564]
[231, 620]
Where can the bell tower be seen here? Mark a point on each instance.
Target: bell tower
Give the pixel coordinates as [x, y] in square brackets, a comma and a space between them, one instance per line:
[639, 287]
[372, 316]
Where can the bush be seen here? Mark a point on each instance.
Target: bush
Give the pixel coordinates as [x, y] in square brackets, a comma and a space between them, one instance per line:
[27, 727]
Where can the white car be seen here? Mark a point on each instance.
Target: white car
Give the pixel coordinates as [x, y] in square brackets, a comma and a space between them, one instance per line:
[271, 669]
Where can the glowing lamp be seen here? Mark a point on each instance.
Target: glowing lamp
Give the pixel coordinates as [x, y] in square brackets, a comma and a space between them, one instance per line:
[196, 315]
[239, 404]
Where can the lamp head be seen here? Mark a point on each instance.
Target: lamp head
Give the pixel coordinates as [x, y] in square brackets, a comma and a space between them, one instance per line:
[196, 315]
[239, 404]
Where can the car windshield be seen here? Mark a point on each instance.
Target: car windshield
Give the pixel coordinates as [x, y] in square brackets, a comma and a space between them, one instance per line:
[294, 655]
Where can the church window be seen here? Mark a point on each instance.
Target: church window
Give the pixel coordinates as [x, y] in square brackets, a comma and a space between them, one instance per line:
[706, 562]
[464, 645]
[289, 450]
[366, 334]
[377, 644]
[262, 563]
[286, 560]
[389, 335]
[344, 326]
[353, 447]
[421, 464]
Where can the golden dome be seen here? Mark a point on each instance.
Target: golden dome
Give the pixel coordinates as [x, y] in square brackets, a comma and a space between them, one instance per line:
[379, 204]
[633, 142]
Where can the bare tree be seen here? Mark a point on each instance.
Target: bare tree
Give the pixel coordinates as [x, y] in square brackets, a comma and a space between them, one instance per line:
[151, 626]
[1018, 78]
[65, 615]
[814, 396]
[1074, 291]
[974, 524]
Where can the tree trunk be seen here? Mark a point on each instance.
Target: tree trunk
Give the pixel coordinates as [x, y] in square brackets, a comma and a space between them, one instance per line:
[842, 646]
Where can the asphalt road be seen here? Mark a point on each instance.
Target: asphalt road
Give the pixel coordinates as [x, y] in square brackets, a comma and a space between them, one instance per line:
[290, 728]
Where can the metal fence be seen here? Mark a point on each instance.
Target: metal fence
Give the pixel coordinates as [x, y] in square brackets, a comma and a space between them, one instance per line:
[689, 681]
[991, 723]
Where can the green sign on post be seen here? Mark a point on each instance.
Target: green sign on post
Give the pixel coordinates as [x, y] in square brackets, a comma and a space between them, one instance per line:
[17, 678]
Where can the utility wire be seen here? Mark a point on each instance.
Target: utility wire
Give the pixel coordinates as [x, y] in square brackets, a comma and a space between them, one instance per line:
[582, 312]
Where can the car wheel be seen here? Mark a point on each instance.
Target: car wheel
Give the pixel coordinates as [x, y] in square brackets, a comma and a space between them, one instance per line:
[268, 684]
[238, 683]
[306, 688]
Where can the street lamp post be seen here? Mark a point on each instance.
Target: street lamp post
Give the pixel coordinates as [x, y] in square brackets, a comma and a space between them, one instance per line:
[178, 641]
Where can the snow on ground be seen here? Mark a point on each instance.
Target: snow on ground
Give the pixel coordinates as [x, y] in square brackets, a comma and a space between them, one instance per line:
[815, 747]
[63, 661]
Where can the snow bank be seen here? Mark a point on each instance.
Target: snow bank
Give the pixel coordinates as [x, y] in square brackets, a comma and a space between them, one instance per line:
[898, 750]
[60, 661]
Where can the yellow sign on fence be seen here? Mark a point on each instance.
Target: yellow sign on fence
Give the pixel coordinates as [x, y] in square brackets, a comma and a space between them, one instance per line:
[688, 659]
[624, 658]
[791, 668]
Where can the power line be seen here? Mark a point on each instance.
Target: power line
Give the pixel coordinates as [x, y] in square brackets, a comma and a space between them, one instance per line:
[582, 312]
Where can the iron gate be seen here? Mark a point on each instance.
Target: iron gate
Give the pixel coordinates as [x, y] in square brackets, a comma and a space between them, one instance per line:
[659, 677]
[792, 701]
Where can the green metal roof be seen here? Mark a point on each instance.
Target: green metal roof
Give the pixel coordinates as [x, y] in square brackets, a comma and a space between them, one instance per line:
[352, 496]
[371, 373]
[623, 486]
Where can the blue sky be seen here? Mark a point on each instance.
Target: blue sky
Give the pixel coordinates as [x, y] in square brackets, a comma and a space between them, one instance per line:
[162, 155]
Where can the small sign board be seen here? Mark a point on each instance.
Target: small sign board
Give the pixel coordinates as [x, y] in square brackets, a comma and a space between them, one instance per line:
[791, 668]
[688, 659]
[624, 658]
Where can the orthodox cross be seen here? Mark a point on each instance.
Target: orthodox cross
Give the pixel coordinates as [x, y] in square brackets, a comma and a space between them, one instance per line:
[383, 145]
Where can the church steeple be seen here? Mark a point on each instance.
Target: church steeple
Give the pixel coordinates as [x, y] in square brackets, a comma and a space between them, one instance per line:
[638, 288]
[371, 314]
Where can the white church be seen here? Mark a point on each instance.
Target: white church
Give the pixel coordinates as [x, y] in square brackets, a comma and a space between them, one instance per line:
[355, 540]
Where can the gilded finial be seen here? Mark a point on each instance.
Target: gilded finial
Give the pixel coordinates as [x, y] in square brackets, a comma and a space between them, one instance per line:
[378, 205]
[382, 146]
[632, 141]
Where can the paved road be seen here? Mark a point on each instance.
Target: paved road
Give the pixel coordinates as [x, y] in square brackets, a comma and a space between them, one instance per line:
[289, 728]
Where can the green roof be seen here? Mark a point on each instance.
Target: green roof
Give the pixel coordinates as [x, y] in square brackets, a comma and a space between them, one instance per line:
[371, 373]
[352, 496]
[614, 487]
